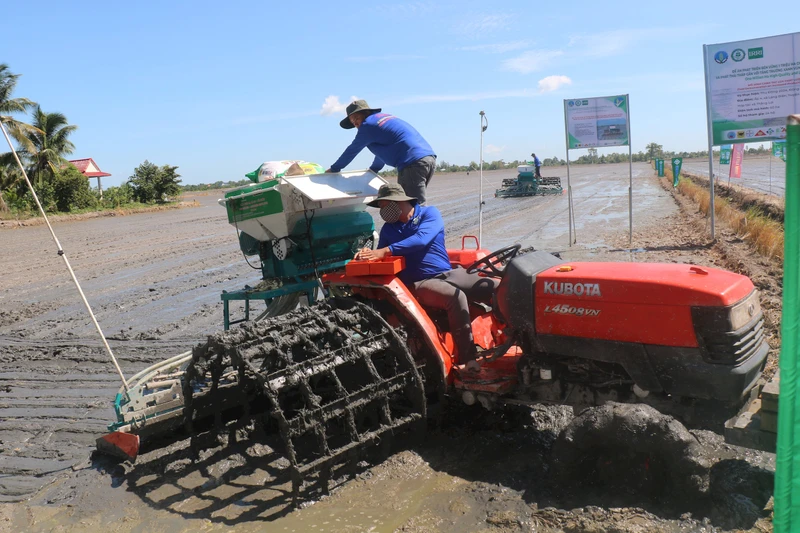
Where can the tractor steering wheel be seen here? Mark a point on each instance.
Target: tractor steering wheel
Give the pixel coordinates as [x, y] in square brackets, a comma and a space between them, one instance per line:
[488, 265]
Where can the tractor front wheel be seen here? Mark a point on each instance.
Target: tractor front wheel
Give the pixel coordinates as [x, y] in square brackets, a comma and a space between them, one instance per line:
[624, 453]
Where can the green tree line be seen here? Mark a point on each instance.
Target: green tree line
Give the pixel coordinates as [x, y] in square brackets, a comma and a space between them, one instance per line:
[42, 146]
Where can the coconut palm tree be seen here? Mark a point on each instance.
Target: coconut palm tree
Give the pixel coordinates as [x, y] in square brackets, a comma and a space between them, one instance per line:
[48, 145]
[15, 128]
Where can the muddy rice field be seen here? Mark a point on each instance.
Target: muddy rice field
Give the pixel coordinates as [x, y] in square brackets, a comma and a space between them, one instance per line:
[154, 282]
[764, 173]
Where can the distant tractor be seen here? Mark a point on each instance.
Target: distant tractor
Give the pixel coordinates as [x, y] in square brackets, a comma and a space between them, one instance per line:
[528, 184]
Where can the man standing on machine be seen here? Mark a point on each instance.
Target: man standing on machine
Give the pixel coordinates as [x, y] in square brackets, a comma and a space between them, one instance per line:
[394, 142]
[537, 164]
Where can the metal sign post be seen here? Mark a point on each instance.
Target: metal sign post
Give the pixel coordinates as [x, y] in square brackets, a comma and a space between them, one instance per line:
[598, 121]
[484, 125]
[710, 141]
[630, 178]
[569, 187]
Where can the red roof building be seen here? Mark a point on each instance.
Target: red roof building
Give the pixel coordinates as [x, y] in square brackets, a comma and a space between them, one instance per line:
[90, 169]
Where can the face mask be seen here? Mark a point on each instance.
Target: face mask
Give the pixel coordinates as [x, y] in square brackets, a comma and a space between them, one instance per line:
[390, 212]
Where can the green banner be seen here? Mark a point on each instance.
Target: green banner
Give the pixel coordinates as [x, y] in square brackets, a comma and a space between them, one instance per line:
[676, 170]
[779, 149]
[660, 167]
[725, 154]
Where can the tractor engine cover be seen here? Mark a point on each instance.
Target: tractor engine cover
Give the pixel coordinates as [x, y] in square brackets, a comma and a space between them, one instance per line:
[675, 328]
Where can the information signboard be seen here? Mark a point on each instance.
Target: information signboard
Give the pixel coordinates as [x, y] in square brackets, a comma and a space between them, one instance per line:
[751, 87]
[601, 121]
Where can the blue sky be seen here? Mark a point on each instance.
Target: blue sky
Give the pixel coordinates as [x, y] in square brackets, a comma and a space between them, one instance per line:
[216, 88]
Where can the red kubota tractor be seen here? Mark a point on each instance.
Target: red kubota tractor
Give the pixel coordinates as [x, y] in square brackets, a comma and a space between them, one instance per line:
[583, 333]
[332, 380]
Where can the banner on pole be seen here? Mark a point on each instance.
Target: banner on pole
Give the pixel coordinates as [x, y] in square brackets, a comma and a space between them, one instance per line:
[736, 161]
[660, 167]
[725, 154]
[676, 170]
[752, 86]
[779, 149]
[601, 121]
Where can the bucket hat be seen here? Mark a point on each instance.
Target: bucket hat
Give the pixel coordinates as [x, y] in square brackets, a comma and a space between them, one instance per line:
[392, 193]
[354, 107]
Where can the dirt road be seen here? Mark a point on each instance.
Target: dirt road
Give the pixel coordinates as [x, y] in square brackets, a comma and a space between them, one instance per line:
[154, 281]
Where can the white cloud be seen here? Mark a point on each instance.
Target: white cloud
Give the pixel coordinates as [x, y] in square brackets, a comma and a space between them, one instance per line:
[496, 48]
[332, 105]
[609, 43]
[531, 61]
[552, 83]
[473, 97]
[477, 24]
[492, 149]
[407, 9]
[277, 117]
[389, 57]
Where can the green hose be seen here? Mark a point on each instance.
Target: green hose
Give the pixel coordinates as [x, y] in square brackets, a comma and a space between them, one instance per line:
[787, 475]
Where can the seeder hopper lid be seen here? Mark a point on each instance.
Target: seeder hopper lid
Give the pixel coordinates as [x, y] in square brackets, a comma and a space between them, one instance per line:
[343, 185]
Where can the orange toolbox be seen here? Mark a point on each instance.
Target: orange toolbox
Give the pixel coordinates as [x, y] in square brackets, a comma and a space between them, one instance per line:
[388, 266]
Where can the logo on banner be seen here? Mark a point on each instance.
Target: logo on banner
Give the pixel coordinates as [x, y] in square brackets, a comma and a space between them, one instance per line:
[738, 54]
[571, 103]
[760, 133]
[740, 134]
[577, 102]
[755, 53]
[731, 135]
[721, 56]
[618, 101]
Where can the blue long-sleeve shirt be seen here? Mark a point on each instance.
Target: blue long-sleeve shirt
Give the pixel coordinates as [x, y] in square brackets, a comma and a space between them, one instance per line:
[420, 241]
[393, 141]
[536, 162]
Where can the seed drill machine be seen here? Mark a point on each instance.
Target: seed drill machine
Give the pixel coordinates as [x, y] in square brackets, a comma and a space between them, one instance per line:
[527, 183]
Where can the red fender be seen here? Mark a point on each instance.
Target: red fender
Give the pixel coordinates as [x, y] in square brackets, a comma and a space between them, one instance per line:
[391, 288]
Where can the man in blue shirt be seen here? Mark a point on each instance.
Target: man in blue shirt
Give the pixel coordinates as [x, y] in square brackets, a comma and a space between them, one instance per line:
[416, 232]
[537, 164]
[394, 142]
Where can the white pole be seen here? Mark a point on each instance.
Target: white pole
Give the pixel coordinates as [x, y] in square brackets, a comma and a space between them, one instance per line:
[64, 256]
[630, 176]
[484, 125]
[569, 188]
[710, 141]
[770, 165]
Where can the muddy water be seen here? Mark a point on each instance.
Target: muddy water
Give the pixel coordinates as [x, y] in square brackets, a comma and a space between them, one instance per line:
[154, 282]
